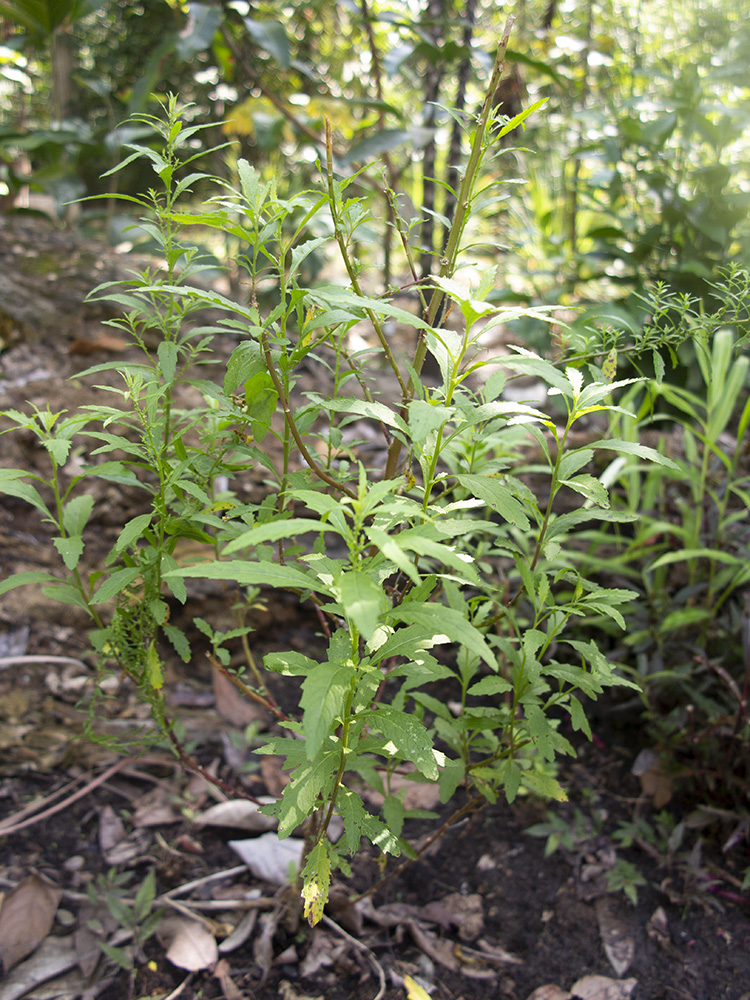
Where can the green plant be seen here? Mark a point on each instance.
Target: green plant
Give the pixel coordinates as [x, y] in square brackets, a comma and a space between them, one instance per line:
[688, 553]
[446, 574]
[135, 916]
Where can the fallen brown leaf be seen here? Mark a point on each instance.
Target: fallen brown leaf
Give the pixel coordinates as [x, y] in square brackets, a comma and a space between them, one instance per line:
[602, 988]
[657, 927]
[111, 830]
[288, 992]
[52, 958]
[232, 705]
[269, 858]
[104, 342]
[549, 992]
[188, 944]
[274, 777]
[464, 912]
[228, 986]
[240, 814]
[619, 946]
[26, 918]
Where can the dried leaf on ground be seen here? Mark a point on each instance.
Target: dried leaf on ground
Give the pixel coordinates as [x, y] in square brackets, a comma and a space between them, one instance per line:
[263, 943]
[155, 809]
[228, 986]
[288, 992]
[240, 934]
[111, 830]
[26, 918]
[104, 342]
[549, 992]
[52, 958]
[240, 814]
[189, 945]
[274, 777]
[657, 927]
[602, 988]
[231, 703]
[321, 953]
[464, 912]
[618, 943]
[416, 794]
[269, 858]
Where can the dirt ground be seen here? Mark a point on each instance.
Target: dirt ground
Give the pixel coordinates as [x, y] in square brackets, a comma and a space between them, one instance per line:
[482, 913]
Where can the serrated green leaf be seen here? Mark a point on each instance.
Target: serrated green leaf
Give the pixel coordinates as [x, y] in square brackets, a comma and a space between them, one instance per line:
[498, 497]
[490, 685]
[424, 418]
[589, 487]
[12, 485]
[409, 738]
[445, 622]
[323, 698]
[167, 354]
[77, 513]
[544, 785]
[311, 782]
[70, 549]
[180, 642]
[362, 600]
[303, 250]
[115, 583]
[634, 448]
[450, 778]
[274, 530]
[578, 717]
[353, 815]
[25, 579]
[261, 574]
[65, 593]
[511, 780]
[132, 531]
[59, 449]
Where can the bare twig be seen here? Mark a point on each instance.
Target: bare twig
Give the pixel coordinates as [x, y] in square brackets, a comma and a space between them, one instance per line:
[365, 951]
[7, 826]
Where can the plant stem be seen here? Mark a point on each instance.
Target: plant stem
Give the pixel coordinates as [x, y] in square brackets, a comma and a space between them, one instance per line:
[448, 261]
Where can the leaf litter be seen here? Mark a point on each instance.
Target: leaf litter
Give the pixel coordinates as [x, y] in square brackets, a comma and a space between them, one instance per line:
[450, 930]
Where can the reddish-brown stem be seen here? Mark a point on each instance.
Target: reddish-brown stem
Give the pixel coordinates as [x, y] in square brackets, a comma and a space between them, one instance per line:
[473, 805]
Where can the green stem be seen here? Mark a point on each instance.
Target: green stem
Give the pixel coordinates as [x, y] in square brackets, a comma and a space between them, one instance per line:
[289, 418]
[341, 241]
[448, 261]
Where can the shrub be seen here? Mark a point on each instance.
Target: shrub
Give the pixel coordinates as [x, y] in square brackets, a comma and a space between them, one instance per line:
[444, 569]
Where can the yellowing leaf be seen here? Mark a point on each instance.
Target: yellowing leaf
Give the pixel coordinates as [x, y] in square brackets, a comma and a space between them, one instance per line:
[414, 991]
[317, 879]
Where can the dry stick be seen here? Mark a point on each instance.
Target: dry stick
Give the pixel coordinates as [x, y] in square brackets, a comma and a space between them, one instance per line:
[7, 828]
[448, 260]
[191, 764]
[248, 691]
[473, 805]
[364, 949]
[11, 661]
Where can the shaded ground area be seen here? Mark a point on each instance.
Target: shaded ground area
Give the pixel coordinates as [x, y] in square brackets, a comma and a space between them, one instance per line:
[482, 913]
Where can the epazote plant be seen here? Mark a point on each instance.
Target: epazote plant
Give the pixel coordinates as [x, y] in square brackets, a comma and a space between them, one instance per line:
[447, 551]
